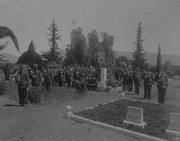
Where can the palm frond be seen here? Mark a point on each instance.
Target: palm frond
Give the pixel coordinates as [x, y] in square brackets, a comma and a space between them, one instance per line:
[6, 32]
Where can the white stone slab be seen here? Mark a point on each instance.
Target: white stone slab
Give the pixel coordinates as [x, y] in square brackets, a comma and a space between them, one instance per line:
[135, 116]
[174, 126]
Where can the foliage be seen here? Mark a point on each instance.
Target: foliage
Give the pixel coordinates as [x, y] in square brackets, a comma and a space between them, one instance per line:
[30, 56]
[159, 59]
[3, 61]
[93, 47]
[7, 32]
[106, 44]
[111, 82]
[138, 55]
[168, 68]
[70, 59]
[81, 87]
[78, 45]
[54, 54]
[34, 95]
[6, 69]
[176, 70]
[3, 88]
[121, 59]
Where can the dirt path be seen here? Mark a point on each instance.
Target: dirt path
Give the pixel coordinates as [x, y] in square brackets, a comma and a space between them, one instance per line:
[47, 122]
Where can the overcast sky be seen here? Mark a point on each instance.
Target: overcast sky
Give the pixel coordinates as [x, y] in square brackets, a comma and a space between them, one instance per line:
[160, 20]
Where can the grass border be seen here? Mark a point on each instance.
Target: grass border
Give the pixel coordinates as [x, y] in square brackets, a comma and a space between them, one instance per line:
[140, 136]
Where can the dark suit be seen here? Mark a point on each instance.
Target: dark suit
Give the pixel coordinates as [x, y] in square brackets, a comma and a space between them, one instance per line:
[23, 84]
[137, 81]
[162, 84]
[148, 81]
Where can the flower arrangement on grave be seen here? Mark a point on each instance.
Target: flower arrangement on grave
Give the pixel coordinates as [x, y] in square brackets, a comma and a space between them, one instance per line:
[111, 82]
[81, 87]
[34, 95]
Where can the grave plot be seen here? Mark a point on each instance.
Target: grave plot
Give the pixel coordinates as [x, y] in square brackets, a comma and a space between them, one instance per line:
[135, 117]
[174, 125]
[155, 116]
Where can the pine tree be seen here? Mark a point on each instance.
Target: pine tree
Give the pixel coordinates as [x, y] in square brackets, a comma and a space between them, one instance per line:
[159, 59]
[54, 54]
[31, 57]
[139, 59]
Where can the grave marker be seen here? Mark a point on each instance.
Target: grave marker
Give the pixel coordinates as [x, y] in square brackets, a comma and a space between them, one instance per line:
[135, 116]
[174, 126]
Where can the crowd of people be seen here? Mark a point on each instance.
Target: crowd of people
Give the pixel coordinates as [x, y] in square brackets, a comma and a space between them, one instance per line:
[129, 78]
[70, 77]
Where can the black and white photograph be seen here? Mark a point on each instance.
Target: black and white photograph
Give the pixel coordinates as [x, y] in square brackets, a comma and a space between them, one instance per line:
[89, 70]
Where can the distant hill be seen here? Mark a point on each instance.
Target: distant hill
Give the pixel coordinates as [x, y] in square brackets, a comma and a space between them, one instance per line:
[151, 57]
[175, 59]
[10, 57]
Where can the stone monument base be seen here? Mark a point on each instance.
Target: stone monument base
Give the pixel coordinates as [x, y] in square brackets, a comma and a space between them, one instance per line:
[125, 122]
[101, 87]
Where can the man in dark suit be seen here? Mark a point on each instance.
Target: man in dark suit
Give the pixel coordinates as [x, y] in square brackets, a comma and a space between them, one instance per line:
[137, 80]
[162, 83]
[148, 81]
[23, 85]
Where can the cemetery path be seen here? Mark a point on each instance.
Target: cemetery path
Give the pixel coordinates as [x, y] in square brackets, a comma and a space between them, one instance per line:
[47, 122]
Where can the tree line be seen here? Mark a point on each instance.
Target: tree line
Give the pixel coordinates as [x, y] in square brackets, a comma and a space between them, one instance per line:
[82, 50]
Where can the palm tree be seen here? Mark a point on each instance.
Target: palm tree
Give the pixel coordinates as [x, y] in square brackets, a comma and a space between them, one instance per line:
[6, 32]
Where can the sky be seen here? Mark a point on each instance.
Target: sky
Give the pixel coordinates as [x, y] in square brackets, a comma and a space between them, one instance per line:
[29, 19]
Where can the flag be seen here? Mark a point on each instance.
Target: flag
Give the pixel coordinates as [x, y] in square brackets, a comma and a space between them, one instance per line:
[112, 62]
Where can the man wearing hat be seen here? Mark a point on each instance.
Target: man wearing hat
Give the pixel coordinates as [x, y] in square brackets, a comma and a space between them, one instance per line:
[162, 84]
[137, 80]
[23, 85]
[148, 81]
[38, 76]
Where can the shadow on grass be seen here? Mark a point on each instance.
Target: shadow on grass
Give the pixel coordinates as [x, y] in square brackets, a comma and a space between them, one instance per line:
[138, 98]
[13, 105]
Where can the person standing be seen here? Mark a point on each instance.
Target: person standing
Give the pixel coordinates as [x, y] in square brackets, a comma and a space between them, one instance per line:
[162, 84]
[137, 80]
[38, 76]
[148, 81]
[23, 86]
[48, 79]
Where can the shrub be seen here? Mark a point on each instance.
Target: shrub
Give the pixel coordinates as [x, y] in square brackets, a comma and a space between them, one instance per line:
[34, 95]
[111, 82]
[3, 88]
[81, 87]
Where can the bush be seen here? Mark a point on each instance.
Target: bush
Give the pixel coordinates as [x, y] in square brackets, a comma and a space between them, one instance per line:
[81, 87]
[3, 88]
[34, 95]
[111, 82]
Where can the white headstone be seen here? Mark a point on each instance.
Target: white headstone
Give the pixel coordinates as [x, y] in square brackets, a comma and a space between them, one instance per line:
[174, 126]
[103, 74]
[135, 116]
[102, 84]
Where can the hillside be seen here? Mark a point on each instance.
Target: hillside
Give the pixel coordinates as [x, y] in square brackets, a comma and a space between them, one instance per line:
[175, 59]
[151, 57]
[10, 57]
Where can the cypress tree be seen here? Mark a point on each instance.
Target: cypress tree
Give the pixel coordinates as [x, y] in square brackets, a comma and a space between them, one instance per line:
[159, 59]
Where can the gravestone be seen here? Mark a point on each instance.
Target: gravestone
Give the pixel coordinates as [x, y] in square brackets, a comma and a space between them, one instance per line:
[135, 116]
[174, 126]
[102, 84]
[103, 74]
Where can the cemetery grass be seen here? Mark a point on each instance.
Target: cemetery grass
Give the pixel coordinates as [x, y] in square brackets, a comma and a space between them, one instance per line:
[157, 116]
[57, 94]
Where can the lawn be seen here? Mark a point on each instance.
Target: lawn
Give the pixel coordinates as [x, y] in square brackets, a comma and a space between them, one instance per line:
[157, 116]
